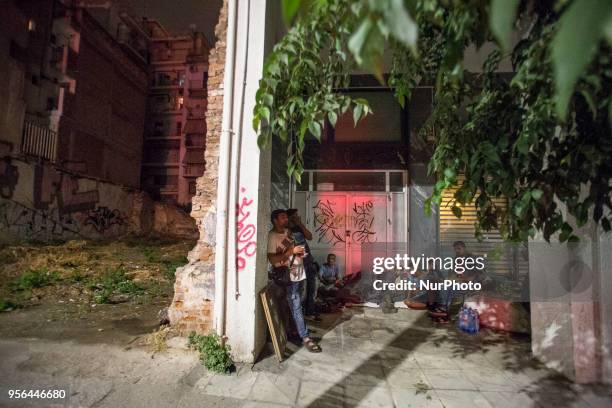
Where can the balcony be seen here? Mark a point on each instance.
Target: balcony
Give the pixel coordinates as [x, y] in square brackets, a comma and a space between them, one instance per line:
[194, 156]
[197, 89]
[39, 141]
[193, 170]
[196, 141]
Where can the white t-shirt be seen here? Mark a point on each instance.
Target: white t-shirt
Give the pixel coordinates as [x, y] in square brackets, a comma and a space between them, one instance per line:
[277, 244]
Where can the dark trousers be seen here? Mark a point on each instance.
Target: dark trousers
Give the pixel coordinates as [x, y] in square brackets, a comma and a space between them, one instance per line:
[311, 289]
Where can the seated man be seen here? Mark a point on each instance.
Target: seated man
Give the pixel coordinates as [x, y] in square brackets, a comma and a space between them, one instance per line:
[440, 310]
[335, 286]
[329, 275]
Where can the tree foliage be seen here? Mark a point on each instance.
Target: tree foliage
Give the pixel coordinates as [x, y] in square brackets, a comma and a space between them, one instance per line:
[539, 136]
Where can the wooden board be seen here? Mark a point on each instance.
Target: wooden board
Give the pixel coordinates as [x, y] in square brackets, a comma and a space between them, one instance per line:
[271, 300]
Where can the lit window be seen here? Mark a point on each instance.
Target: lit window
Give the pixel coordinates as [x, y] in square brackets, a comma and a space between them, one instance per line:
[180, 102]
[31, 25]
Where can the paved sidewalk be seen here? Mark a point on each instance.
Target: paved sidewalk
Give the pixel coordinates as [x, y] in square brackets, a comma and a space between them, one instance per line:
[369, 360]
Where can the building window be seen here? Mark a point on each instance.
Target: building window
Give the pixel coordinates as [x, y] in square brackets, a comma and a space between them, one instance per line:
[180, 102]
[384, 125]
[31, 25]
[192, 187]
[179, 127]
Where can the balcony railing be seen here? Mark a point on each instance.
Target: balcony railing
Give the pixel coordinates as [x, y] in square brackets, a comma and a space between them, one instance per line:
[39, 141]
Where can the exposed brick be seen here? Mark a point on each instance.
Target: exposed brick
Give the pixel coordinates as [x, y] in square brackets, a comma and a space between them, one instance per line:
[192, 307]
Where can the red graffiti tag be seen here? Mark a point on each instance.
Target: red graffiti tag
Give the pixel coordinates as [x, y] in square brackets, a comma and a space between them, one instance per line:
[245, 233]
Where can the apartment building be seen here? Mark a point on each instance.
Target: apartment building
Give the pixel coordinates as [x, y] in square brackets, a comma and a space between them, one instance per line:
[173, 155]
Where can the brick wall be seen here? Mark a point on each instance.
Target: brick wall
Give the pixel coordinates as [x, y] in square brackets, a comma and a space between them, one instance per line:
[192, 305]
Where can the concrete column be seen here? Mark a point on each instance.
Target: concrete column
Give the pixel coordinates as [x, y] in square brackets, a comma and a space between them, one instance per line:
[570, 312]
[249, 187]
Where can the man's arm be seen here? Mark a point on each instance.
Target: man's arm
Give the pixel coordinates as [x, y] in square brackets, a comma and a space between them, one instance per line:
[305, 231]
[283, 256]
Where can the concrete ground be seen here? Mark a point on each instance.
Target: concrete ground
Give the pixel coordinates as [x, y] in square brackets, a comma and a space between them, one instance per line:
[369, 360]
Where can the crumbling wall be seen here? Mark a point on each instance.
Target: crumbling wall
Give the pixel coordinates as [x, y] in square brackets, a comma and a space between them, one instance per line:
[192, 305]
[39, 201]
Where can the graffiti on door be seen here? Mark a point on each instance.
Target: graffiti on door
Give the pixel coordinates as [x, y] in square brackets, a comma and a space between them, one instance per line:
[363, 219]
[328, 224]
[245, 232]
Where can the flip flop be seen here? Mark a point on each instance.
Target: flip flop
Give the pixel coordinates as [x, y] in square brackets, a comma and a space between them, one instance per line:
[438, 312]
[312, 346]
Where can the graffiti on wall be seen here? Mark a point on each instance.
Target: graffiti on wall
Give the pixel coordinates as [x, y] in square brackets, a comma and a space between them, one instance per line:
[32, 223]
[9, 176]
[327, 223]
[61, 205]
[363, 219]
[245, 232]
[103, 218]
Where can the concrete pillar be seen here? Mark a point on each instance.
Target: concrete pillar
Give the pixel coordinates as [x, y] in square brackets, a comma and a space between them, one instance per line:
[249, 187]
[249, 182]
[570, 313]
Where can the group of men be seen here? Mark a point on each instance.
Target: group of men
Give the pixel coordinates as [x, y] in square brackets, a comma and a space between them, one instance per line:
[288, 247]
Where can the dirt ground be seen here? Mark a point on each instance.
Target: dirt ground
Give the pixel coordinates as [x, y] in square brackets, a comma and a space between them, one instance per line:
[109, 292]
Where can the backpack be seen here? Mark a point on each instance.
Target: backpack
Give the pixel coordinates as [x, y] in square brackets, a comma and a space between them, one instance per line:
[468, 320]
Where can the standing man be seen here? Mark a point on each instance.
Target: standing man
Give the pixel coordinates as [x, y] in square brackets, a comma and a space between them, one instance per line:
[301, 234]
[282, 251]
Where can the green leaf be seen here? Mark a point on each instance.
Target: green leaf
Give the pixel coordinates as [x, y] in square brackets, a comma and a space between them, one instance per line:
[264, 113]
[315, 129]
[262, 141]
[367, 46]
[290, 9]
[267, 99]
[357, 111]
[449, 173]
[457, 211]
[401, 25]
[581, 28]
[536, 194]
[333, 118]
[501, 20]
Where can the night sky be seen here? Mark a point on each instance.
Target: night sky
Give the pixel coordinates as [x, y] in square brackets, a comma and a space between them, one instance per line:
[177, 15]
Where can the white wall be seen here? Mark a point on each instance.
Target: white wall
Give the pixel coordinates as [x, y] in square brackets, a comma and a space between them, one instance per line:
[572, 329]
[249, 187]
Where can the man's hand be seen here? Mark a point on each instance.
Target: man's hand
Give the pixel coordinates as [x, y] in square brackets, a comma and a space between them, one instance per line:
[298, 250]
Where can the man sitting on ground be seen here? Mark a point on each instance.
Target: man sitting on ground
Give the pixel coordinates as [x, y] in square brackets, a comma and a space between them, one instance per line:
[440, 310]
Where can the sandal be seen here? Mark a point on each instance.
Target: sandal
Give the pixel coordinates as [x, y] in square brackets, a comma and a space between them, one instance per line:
[312, 346]
[442, 320]
[437, 312]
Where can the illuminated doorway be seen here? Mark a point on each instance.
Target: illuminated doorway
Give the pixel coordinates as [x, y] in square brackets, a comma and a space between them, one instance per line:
[345, 209]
